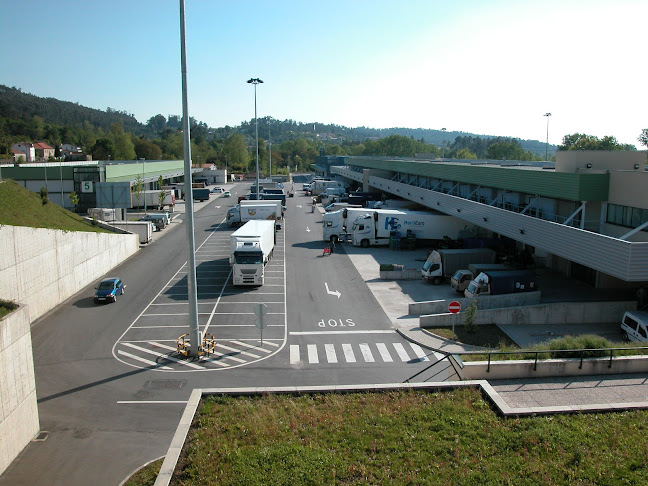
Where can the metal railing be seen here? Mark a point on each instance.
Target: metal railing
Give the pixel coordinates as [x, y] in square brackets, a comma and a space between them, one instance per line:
[579, 353]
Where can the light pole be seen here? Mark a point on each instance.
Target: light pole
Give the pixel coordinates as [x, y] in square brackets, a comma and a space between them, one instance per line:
[443, 130]
[270, 153]
[256, 81]
[547, 145]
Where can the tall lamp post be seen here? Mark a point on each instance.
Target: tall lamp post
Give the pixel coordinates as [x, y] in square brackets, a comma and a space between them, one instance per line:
[547, 145]
[443, 130]
[256, 81]
[270, 153]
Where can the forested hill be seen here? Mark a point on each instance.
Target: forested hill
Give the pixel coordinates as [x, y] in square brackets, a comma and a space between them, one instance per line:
[14, 104]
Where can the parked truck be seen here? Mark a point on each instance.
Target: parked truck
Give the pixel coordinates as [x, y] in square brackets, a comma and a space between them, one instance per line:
[462, 277]
[103, 214]
[151, 199]
[498, 282]
[242, 213]
[319, 186]
[251, 249]
[443, 264]
[335, 225]
[200, 194]
[144, 229]
[375, 228]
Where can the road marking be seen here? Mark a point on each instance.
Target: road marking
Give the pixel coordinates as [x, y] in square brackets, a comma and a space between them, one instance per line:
[312, 353]
[338, 294]
[217, 361]
[330, 353]
[165, 356]
[152, 402]
[350, 331]
[400, 350]
[366, 353]
[384, 353]
[348, 353]
[142, 360]
[256, 348]
[419, 352]
[244, 353]
[294, 354]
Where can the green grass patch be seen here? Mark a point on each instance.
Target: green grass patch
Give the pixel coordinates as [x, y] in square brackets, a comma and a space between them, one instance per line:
[7, 307]
[405, 438]
[21, 207]
[486, 336]
[147, 475]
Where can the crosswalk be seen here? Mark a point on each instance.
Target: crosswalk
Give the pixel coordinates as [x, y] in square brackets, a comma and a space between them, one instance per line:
[363, 352]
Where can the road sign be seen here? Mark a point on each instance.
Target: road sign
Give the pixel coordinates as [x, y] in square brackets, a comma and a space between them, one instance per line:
[454, 306]
[260, 310]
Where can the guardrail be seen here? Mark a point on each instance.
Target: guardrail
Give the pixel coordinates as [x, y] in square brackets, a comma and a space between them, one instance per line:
[563, 353]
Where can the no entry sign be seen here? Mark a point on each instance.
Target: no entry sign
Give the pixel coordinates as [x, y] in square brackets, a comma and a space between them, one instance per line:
[454, 306]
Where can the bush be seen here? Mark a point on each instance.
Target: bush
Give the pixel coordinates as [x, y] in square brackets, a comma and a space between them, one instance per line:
[44, 196]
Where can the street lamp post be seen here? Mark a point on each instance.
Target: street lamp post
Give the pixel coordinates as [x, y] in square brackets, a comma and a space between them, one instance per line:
[270, 153]
[547, 145]
[256, 81]
[443, 130]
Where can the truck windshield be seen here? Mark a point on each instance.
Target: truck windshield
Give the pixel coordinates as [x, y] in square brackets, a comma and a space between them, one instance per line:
[248, 258]
[472, 288]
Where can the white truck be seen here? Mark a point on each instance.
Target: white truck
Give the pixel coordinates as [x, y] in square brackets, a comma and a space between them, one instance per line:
[102, 214]
[242, 213]
[151, 199]
[251, 248]
[336, 224]
[442, 264]
[332, 191]
[144, 229]
[375, 228]
[319, 186]
[462, 277]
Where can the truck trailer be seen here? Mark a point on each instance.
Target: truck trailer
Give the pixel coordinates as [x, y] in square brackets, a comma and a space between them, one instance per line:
[462, 277]
[151, 199]
[242, 213]
[443, 264]
[200, 194]
[375, 228]
[144, 229]
[498, 282]
[335, 224]
[251, 248]
[319, 186]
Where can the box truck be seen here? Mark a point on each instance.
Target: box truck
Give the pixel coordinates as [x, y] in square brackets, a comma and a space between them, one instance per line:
[144, 229]
[443, 264]
[102, 214]
[335, 225]
[242, 213]
[151, 199]
[375, 228]
[200, 194]
[498, 282]
[319, 186]
[462, 277]
[251, 248]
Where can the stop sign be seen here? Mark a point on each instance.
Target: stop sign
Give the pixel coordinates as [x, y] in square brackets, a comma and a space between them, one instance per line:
[454, 306]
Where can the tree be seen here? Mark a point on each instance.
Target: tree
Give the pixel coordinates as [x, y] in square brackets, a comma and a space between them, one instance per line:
[103, 149]
[124, 148]
[465, 154]
[146, 150]
[138, 188]
[643, 138]
[157, 124]
[581, 141]
[74, 199]
[236, 151]
[162, 193]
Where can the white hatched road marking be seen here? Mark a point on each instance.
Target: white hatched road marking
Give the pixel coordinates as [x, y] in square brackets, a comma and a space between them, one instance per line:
[142, 360]
[384, 353]
[294, 353]
[348, 353]
[420, 354]
[400, 350]
[312, 353]
[330, 353]
[244, 353]
[250, 346]
[366, 353]
[165, 356]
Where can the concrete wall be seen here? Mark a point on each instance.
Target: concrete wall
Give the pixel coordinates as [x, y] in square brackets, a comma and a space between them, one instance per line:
[40, 268]
[553, 313]
[484, 302]
[18, 408]
[601, 160]
[514, 369]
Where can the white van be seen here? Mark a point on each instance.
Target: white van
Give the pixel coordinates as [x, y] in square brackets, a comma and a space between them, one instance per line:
[634, 326]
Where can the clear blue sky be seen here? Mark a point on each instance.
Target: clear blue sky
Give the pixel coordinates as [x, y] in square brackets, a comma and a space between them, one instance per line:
[492, 67]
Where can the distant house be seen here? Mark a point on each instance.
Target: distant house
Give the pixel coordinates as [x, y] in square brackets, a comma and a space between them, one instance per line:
[68, 147]
[25, 148]
[18, 156]
[43, 151]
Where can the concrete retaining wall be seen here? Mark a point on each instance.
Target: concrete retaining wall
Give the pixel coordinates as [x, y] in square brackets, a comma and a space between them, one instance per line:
[18, 408]
[484, 302]
[508, 370]
[552, 313]
[405, 274]
[41, 268]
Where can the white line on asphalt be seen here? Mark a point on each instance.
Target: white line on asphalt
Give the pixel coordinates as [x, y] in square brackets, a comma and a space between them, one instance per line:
[348, 353]
[151, 402]
[330, 353]
[400, 350]
[314, 333]
[249, 346]
[245, 353]
[294, 353]
[384, 353]
[366, 353]
[165, 356]
[142, 360]
[312, 353]
[420, 354]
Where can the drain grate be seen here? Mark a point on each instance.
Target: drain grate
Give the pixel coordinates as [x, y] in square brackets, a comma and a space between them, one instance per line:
[42, 436]
[165, 384]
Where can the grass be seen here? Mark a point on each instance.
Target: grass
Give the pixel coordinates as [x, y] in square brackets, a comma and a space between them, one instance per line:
[7, 307]
[486, 336]
[404, 438]
[21, 207]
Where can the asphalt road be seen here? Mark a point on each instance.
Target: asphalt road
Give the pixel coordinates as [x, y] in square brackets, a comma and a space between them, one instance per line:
[111, 387]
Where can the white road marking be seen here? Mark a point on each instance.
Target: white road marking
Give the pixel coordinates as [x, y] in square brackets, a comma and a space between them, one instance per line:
[312, 353]
[152, 402]
[348, 353]
[244, 353]
[366, 353]
[350, 331]
[384, 353]
[165, 356]
[331, 357]
[142, 360]
[400, 350]
[256, 348]
[420, 354]
[294, 353]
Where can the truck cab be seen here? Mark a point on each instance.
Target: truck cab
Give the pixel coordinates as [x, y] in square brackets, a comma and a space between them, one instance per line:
[460, 280]
[634, 326]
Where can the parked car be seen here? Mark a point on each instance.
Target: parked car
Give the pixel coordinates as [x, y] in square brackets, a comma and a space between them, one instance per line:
[218, 190]
[227, 194]
[157, 220]
[108, 289]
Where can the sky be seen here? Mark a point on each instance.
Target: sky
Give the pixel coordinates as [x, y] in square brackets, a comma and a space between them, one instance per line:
[486, 67]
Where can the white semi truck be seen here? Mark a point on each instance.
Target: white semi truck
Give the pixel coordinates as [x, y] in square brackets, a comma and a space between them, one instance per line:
[375, 228]
[251, 248]
[144, 229]
[242, 213]
[442, 264]
[336, 224]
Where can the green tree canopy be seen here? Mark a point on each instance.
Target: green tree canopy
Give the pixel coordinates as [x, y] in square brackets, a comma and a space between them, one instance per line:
[581, 141]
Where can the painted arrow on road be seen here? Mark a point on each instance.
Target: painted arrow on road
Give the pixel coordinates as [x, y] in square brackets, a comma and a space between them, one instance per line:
[332, 293]
[307, 229]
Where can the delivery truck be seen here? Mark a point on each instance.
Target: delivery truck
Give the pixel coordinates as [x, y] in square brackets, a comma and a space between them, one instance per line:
[375, 228]
[498, 282]
[335, 225]
[251, 248]
[462, 277]
[103, 214]
[443, 264]
[242, 213]
[200, 194]
[144, 229]
[151, 199]
[319, 186]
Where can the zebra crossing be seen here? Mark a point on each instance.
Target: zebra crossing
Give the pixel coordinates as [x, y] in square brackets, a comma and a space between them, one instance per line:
[363, 352]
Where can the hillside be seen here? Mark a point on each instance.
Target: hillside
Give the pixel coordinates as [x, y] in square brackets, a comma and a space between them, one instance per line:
[21, 207]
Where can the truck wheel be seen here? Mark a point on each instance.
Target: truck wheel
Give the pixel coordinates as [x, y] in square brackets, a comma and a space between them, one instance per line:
[364, 243]
[436, 280]
[334, 239]
[625, 337]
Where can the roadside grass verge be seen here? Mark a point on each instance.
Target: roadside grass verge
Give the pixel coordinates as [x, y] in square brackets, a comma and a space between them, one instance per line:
[405, 438]
[486, 336]
[22, 207]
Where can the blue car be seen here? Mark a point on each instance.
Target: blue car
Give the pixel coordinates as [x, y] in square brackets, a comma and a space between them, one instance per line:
[108, 290]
